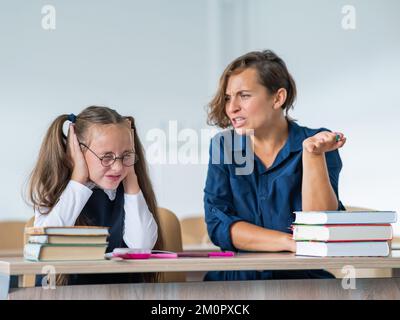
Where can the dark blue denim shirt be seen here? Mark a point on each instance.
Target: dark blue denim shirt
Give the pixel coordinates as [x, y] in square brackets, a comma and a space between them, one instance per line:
[266, 197]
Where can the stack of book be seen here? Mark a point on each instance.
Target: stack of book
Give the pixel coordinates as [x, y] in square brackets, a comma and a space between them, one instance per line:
[65, 243]
[343, 233]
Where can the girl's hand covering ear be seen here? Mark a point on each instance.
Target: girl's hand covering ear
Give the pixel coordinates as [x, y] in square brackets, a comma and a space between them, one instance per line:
[131, 184]
[324, 142]
[80, 172]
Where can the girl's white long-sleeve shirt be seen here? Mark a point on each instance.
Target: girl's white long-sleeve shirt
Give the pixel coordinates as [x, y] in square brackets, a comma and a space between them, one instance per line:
[140, 228]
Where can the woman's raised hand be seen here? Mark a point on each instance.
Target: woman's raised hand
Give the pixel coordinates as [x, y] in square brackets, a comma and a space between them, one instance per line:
[324, 142]
[80, 172]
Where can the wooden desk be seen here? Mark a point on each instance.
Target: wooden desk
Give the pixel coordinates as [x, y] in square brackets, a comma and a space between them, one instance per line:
[324, 289]
[11, 253]
[245, 261]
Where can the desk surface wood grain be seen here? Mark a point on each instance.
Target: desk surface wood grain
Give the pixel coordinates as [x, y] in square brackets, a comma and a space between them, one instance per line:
[244, 261]
[238, 290]
[11, 253]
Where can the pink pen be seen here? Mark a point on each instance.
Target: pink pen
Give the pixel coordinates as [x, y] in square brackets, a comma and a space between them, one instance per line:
[127, 253]
[132, 255]
[221, 254]
[200, 254]
[164, 255]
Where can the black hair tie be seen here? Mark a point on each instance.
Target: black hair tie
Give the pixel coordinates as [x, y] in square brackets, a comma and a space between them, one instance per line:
[72, 118]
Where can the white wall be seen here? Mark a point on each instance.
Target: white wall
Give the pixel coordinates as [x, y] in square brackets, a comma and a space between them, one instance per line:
[160, 60]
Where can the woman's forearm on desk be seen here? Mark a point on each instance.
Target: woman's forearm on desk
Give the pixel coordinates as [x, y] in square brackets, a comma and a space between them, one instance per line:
[317, 191]
[247, 236]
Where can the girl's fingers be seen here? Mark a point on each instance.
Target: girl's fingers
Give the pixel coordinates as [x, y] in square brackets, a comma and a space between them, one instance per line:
[69, 138]
[72, 134]
[69, 134]
[78, 150]
[74, 143]
[73, 140]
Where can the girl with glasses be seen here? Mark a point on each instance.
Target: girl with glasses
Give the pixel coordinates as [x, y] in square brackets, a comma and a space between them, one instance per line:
[96, 176]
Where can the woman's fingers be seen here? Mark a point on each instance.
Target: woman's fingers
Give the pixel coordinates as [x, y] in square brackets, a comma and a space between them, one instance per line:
[333, 139]
[324, 142]
[341, 143]
[340, 139]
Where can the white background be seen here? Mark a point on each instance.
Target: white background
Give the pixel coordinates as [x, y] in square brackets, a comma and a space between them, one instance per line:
[160, 61]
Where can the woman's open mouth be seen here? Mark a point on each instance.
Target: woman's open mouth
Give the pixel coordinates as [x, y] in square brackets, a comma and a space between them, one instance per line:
[238, 122]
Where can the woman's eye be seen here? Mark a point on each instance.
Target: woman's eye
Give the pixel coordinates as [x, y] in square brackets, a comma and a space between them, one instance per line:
[244, 96]
[227, 98]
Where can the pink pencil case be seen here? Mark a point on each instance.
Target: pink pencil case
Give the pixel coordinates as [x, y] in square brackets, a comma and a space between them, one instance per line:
[140, 254]
[126, 253]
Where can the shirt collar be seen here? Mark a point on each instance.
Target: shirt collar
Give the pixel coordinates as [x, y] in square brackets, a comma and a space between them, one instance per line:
[111, 193]
[296, 137]
[294, 143]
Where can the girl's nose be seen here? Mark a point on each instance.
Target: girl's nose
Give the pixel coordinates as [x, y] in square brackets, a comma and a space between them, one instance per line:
[117, 165]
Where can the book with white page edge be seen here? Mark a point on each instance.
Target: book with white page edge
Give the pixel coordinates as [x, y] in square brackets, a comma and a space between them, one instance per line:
[342, 249]
[345, 217]
[342, 232]
[68, 231]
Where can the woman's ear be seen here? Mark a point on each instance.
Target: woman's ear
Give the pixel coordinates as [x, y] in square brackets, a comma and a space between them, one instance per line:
[280, 98]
